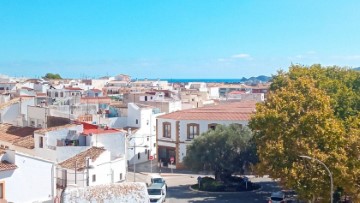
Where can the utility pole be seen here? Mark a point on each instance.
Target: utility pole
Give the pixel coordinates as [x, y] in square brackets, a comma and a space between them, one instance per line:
[134, 158]
[151, 161]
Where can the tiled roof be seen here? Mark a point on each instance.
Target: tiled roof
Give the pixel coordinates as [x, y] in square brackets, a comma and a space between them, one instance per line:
[27, 88]
[10, 133]
[116, 192]
[5, 166]
[39, 94]
[45, 130]
[80, 159]
[96, 90]
[9, 103]
[234, 111]
[73, 88]
[26, 142]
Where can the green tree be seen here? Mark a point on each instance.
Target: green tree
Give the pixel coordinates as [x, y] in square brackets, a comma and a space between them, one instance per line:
[52, 76]
[224, 151]
[310, 111]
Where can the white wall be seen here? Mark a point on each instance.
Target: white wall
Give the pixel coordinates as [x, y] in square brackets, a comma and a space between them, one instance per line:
[107, 171]
[175, 106]
[114, 142]
[31, 181]
[10, 113]
[145, 138]
[117, 122]
[133, 115]
[37, 116]
[214, 92]
[66, 152]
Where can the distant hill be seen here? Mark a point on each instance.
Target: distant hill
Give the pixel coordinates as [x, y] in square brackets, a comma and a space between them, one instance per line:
[358, 68]
[258, 79]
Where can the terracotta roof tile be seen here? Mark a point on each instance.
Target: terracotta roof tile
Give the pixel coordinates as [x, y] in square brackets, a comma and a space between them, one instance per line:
[10, 133]
[26, 142]
[45, 130]
[228, 111]
[79, 159]
[5, 166]
[11, 102]
[73, 88]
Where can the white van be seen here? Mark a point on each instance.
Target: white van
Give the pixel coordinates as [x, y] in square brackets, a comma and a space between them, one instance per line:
[157, 192]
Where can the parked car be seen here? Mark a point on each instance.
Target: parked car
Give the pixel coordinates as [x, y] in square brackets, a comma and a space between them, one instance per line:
[155, 178]
[277, 197]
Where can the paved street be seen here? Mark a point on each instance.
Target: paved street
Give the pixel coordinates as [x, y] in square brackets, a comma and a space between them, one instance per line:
[179, 192]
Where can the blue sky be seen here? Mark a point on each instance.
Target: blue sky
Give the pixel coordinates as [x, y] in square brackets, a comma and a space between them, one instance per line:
[176, 38]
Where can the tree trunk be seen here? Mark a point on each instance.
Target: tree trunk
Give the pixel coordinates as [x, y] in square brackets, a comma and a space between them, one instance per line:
[217, 175]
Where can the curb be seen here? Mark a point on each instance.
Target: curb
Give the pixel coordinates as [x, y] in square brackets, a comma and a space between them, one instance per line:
[224, 192]
[164, 174]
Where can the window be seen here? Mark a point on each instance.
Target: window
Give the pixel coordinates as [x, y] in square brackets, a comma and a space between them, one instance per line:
[121, 177]
[41, 142]
[137, 121]
[93, 178]
[167, 130]
[139, 155]
[146, 151]
[212, 126]
[192, 130]
[2, 190]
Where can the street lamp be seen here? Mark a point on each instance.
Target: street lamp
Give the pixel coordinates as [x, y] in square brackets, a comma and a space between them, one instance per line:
[331, 179]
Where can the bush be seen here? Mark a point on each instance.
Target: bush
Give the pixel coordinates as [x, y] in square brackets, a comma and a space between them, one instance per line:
[233, 184]
[212, 186]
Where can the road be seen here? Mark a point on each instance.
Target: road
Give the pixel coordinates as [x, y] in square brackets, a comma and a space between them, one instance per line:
[179, 192]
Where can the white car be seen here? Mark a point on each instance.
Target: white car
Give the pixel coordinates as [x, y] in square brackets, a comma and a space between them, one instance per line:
[277, 197]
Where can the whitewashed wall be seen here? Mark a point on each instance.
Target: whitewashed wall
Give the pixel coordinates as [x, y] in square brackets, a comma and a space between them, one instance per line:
[31, 181]
[10, 113]
[114, 142]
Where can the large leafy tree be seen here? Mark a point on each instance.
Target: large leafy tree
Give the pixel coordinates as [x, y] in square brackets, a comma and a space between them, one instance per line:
[310, 111]
[52, 76]
[224, 151]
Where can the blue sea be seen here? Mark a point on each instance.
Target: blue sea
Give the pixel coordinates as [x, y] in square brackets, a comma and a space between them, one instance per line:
[202, 80]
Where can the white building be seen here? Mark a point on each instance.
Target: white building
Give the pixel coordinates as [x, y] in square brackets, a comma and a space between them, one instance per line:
[177, 130]
[15, 111]
[94, 166]
[199, 86]
[142, 143]
[25, 178]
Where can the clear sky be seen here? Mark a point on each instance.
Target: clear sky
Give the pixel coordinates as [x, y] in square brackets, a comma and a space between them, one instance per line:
[175, 38]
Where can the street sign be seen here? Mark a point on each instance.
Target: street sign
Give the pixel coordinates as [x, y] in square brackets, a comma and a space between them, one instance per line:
[172, 159]
[151, 157]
